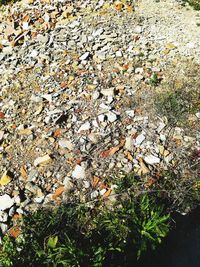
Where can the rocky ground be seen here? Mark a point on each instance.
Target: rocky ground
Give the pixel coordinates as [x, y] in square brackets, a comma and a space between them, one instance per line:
[84, 85]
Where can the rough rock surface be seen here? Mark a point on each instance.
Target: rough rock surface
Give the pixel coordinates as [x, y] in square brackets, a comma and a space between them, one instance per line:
[78, 89]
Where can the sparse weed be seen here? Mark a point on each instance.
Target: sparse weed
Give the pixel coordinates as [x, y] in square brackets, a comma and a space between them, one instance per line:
[194, 3]
[154, 80]
[177, 105]
[77, 235]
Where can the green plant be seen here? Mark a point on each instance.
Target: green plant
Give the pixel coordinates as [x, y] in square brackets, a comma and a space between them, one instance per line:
[152, 224]
[4, 2]
[154, 80]
[77, 235]
[194, 3]
[177, 105]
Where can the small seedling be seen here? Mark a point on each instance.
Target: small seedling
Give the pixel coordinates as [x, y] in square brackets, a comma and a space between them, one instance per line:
[154, 80]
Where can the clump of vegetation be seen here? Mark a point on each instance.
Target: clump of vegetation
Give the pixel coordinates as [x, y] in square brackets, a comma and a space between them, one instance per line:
[5, 2]
[83, 235]
[177, 105]
[154, 80]
[194, 3]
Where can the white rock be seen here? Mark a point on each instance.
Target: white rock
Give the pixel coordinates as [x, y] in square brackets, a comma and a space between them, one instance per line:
[4, 227]
[169, 158]
[3, 216]
[67, 184]
[190, 45]
[97, 32]
[48, 97]
[34, 53]
[198, 115]
[94, 194]
[95, 123]
[95, 95]
[42, 160]
[139, 70]
[1, 135]
[6, 202]
[101, 55]
[38, 199]
[118, 54]
[138, 29]
[109, 100]
[25, 25]
[17, 200]
[20, 211]
[85, 56]
[139, 139]
[108, 92]
[162, 137]
[101, 117]
[160, 127]
[79, 172]
[84, 127]
[64, 143]
[99, 67]
[151, 159]
[130, 113]
[104, 107]
[129, 143]
[111, 116]
[86, 184]
[74, 24]
[102, 192]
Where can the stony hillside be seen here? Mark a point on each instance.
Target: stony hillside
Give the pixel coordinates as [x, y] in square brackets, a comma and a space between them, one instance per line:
[94, 90]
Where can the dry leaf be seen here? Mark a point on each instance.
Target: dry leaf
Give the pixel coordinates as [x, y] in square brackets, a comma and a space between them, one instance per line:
[144, 169]
[2, 115]
[23, 172]
[17, 216]
[15, 231]
[103, 186]
[57, 133]
[150, 181]
[129, 8]
[107, 193]
[119, 6]
[26, 18]
[58, 192]
[95, 181]
[111, 151]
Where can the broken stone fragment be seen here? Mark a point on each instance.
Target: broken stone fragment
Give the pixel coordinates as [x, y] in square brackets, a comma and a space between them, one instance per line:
[129, 143]
[84, 127]
[42, 160]
[1, 135]
[64, 143]
[26, 131]
[111, 116]
[84, 56]
[151, 159]
[160, 127]
[130, 113]
[4, 227]
[6, 202]
[67, 184]
[5, 179]
[108, 92]
[139, 139]
[79, 172]
[3, 216]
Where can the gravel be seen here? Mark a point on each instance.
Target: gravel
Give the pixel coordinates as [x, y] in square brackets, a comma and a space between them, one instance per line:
[76, 107]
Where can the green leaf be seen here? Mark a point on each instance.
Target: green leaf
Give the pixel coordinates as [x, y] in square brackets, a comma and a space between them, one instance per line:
[52, 241]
